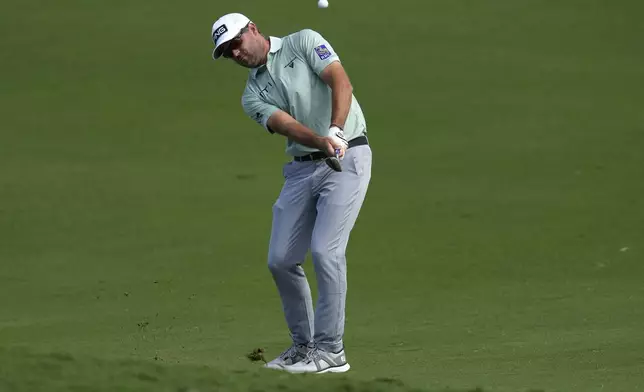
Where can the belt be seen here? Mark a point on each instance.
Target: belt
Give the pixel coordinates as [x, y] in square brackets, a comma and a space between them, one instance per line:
[316, 156]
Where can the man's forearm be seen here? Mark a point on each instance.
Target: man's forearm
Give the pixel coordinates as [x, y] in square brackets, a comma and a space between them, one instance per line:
[282, 123]
[302, 135]
[342, 94]
[296, 131]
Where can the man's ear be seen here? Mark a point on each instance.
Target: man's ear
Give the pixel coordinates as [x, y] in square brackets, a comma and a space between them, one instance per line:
[253, 27]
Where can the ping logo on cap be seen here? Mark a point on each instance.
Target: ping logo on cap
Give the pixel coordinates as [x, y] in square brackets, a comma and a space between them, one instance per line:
[219, 32]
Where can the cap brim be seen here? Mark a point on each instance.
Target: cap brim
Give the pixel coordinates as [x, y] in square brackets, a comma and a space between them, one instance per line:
[219, 50]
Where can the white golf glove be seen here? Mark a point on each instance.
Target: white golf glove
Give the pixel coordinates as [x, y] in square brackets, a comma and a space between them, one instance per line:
[337, 135]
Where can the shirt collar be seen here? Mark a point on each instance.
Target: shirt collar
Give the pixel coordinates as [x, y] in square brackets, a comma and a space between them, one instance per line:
[276, 45]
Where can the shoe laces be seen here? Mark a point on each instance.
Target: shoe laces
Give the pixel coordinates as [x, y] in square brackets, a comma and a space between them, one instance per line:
[312, 355]
[290, 352]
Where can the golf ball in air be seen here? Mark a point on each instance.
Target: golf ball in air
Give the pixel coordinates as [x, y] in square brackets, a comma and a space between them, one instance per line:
[323, 3]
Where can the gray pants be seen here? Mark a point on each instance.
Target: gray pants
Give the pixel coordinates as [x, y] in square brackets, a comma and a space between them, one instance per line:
[316, 210]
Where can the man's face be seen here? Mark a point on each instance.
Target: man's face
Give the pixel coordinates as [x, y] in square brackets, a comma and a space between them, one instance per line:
[247, 49]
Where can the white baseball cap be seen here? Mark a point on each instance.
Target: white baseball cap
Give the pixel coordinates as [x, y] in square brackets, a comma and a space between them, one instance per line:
[225, 29]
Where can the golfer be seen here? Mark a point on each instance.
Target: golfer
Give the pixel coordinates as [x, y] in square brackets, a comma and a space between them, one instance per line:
[298, 88]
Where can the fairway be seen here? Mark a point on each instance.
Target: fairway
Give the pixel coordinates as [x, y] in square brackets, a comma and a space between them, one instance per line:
[500, 246]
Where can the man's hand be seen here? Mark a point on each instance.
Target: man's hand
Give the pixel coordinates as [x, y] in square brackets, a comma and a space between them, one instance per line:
[338, 135]
[335, 144]
[330, 146]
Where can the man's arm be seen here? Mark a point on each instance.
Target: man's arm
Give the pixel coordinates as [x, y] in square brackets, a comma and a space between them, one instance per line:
[335, 77]
[282, 123]
[323, 60]
[277, 121]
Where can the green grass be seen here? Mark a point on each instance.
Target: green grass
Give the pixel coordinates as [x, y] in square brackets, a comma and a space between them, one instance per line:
[500, 245]
[24, 371]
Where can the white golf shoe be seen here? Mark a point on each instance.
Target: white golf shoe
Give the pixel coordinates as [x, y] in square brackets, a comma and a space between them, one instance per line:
[291, 355]
[319, 361]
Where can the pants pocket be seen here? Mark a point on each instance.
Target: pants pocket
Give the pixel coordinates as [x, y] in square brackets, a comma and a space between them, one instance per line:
[285, 169]
[361, 162]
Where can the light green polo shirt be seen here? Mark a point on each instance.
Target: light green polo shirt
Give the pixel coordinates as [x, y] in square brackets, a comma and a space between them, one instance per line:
[290, 81]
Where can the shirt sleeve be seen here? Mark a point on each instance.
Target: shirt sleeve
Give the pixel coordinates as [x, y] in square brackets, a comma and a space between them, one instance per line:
[257, 109]
[316, 50]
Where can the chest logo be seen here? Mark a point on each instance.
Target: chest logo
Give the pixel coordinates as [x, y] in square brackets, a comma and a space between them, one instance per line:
[291, 63]
[264, 91]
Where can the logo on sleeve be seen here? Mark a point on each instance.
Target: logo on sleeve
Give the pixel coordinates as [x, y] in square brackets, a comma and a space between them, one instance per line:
[259, 117]
[323, 52]
[219, 32]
